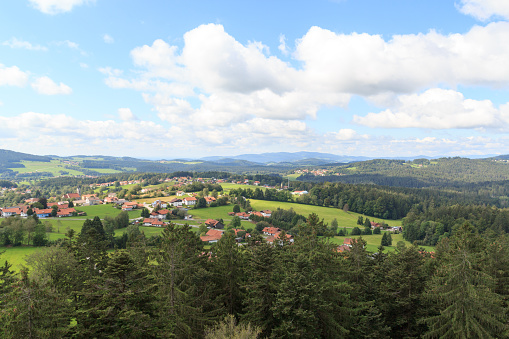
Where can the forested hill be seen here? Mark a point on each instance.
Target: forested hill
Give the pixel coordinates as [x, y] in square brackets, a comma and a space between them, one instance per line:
[11, 159]
[440, 173]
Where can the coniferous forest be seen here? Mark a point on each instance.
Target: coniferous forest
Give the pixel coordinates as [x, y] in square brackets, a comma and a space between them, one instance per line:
[305, 289]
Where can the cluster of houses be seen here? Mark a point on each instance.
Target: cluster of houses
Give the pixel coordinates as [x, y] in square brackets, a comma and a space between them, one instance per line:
[246, 215]
[318, 172]
[63, 210]
[112, 183]
[389, 228]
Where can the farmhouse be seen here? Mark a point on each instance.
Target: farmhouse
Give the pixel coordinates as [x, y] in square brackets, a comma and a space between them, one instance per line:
[214, 224]
[271, 231]
[152, 222]
[7, 212]
[70, 196]
[212, 236]
[66, 212]
[190, 201]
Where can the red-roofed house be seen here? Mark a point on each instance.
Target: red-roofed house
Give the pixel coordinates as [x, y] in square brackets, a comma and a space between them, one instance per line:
[70, 196]
[242, 215]
[212, 236]
[210, 200]
[214, 224]
[7, 212]
[344, 248]
[65, 212]
[152, 222]
[271, 230]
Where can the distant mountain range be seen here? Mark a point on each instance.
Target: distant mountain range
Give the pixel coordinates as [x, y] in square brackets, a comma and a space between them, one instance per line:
[275, 162]
[313, 158]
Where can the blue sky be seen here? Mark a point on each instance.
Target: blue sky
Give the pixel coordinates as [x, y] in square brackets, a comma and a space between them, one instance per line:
[179, 78]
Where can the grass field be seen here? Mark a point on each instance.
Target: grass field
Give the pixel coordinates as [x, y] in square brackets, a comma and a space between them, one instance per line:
[228, 186]
[293, 176]
[374, 240]
[16, 255]
[345, 219]
[54, 167]
[104, 210]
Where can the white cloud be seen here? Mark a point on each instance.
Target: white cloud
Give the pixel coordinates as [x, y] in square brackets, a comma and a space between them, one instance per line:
[83, 65]
[108, 39]
[44, 85]
[436, 109]
[282, 44]
[12, 76]
[367, 64]
[215, 81]
[57, 6]
[125, 114]
[110, 71]
[348, 134]
[485, 9]
[17, 43]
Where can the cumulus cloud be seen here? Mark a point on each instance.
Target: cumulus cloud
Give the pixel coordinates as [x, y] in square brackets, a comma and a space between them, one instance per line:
[215, 80]
[44, 85]
[12, 76]
[125, 114]
[367, 64]
[17, 43]
[108, 39]
[57, 6]
[233, 81]
[485, 9]
[436, 109]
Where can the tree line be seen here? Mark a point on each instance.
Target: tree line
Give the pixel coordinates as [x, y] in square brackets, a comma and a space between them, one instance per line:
[302, 290]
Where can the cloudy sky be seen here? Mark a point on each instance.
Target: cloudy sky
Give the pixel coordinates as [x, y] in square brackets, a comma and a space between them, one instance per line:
[186, 78]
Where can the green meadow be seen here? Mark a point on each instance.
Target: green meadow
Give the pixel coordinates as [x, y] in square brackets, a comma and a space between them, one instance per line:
[54, 167]
[60, 226]
[104, 210]
[373, 242]
[345, 219]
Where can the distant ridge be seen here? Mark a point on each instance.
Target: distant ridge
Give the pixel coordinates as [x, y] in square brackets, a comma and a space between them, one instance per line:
[287, 157]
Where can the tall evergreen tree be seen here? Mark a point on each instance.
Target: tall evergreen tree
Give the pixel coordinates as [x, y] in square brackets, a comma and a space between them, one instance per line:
[118, 303]
[405, 277]
[184, 284]
[260, 284]
[35, 311]
[227, 264]
[463, 292]
[310, 297]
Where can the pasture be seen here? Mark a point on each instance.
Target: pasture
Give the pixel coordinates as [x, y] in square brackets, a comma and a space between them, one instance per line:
[374, 240]
[345, 219]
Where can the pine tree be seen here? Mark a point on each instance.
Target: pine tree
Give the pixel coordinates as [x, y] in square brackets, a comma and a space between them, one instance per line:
[385, 240]
[227, 263]
[260, 284]
[35, 311]
[118, 303]
[184, 284]
[464, 293]
[404, 281]
[310, 298]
